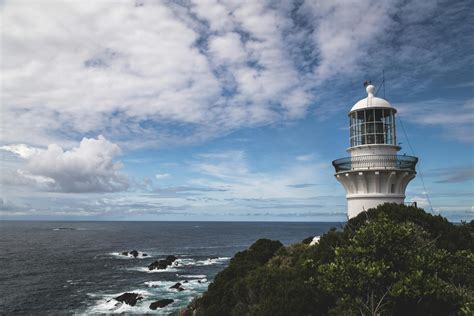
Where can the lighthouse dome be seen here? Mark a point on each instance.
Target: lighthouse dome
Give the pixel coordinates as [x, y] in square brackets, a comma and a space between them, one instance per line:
[371, 101]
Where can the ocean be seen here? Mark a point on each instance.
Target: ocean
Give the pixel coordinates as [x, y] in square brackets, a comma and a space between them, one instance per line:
[78, 267]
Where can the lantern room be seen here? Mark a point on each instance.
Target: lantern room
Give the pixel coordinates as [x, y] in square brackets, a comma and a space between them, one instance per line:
[372, 121]
[372, 126]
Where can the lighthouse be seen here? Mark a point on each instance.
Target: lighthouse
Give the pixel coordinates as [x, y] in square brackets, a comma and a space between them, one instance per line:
[374, 173]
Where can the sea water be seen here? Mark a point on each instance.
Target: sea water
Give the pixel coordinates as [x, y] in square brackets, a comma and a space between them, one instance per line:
[78, 267]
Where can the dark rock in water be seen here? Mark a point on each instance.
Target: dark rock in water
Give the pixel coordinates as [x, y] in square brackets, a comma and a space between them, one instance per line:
[161, 303]
[65, 228]
[144, 254]
[129, 298]
[213, 258]
[163, 263]
[185, 281]
[158, 265]
[133, 253]
[171, 258]
[178, 287]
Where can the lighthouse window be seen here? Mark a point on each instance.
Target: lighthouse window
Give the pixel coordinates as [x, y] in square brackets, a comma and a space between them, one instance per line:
[379, 139]
[360, 117]
[370, 139]
[379, 128]
[379, 115]
[369, 114]
[372, 126]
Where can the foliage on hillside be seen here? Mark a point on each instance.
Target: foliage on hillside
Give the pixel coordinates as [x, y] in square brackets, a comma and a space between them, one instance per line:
[392, 260]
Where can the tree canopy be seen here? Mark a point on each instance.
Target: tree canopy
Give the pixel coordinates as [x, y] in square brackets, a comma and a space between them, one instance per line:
[391, 260]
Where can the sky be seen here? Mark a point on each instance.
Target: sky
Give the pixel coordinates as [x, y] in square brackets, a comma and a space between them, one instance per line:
[225, 110]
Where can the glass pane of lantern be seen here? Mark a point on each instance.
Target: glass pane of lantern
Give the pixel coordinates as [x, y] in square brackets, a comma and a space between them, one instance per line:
[369, 115]
[379, 128]
[370, 128]
[378, 115]
[360, 117]
[370, 139]
[379, 139]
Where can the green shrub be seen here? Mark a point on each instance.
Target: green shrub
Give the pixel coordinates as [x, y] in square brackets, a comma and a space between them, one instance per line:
[392, 260]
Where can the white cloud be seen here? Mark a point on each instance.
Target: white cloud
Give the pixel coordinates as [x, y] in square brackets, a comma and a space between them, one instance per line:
[161, 176]
[227, 48]
[455, 118]
[344, 31]
[304, 158]
[231, 170]
[21, 150]
[173, 72]
[87, 168]
[89, 67]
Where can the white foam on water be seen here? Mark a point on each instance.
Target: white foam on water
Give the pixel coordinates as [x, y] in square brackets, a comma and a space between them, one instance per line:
[108, 305]
[119, 255]
[199, 263]
[191, 287]
[66, 229]
[191, 276]
[145, 269]
[208, 262]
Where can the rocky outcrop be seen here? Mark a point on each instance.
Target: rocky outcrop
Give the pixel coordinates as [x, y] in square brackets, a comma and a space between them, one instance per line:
[177, 287]
[163, 263]
[129, 298]
[134, 253]
[161, 303]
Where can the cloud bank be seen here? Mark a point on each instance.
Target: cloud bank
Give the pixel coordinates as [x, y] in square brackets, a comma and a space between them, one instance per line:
[161, 72]
[87, 168]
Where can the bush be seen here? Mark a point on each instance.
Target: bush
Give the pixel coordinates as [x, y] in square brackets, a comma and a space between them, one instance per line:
[392, 260]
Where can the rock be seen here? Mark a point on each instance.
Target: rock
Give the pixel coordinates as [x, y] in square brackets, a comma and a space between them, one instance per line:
[129, 298]
[134, 253]
[171, 258]
[178, 287]
[185, 281]
[158, 265]
[125, 253]
[163, 263]
[213, 258]
[161, 303]
[144, 254]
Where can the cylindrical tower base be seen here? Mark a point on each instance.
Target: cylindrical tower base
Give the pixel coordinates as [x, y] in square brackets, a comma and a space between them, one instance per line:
[356, 205]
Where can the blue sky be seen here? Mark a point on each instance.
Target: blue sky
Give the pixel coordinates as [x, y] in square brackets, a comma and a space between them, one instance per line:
[224, 110]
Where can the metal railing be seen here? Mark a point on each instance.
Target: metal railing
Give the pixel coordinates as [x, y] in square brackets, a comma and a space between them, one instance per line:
[375, 162]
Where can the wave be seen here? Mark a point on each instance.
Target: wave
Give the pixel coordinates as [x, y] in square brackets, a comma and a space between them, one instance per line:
[191, 276]
[119, 255]
[186, 284]
[145, 269]
[180, 262]
[67, 228]
[106, 304]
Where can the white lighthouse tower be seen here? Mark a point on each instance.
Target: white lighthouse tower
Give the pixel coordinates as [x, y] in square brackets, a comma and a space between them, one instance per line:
[373, 174]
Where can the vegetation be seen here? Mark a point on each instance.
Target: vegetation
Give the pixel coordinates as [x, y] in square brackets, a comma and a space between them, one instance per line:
[392, 260]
